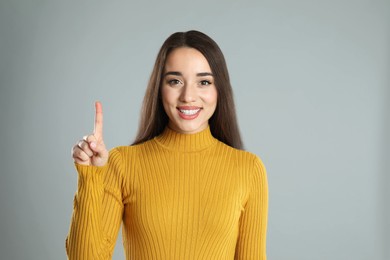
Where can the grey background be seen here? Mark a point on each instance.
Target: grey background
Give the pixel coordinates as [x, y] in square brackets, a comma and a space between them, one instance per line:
[311, 82]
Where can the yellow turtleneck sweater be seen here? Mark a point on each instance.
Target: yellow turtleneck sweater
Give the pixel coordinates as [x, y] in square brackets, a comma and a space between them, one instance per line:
[179, 196]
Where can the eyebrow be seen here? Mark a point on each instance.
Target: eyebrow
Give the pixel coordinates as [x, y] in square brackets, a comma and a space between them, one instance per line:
[177, 73]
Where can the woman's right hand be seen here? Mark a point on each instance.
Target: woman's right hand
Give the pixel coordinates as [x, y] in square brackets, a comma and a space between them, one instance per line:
[92, 150]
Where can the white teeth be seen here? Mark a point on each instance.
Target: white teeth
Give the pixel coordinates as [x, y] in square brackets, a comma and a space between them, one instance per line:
[189, 112]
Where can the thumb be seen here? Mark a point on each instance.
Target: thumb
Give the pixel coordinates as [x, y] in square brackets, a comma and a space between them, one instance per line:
[93, 146]
[98, 147]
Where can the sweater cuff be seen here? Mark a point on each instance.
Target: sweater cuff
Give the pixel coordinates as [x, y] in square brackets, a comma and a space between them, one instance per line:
[89, 174]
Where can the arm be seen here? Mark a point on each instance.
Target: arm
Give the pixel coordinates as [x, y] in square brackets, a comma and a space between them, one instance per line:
[98, 210]
[251, 243]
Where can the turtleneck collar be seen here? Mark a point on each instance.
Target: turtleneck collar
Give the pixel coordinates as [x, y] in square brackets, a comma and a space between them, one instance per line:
[173, 140]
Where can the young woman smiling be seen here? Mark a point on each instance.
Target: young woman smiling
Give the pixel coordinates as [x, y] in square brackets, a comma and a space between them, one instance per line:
[184, 189]
[188, 93]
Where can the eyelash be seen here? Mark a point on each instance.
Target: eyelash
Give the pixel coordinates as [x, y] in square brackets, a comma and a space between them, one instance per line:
[205, 82]
[173, 82]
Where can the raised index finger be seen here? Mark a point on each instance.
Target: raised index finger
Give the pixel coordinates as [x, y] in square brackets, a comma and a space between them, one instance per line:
[98, 129]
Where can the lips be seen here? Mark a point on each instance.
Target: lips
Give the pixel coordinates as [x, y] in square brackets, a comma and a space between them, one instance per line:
[189, 112]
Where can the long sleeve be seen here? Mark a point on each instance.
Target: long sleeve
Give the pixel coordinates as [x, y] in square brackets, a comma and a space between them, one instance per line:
[97, 210]
[251, 242]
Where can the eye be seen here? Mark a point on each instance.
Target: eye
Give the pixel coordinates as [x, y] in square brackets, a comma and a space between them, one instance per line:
[205, 82]
[174, 82]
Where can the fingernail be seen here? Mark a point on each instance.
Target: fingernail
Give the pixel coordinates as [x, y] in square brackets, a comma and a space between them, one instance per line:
[93, 145]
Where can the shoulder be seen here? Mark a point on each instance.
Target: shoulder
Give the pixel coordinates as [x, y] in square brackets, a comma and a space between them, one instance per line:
[122, 150]
[245, 160]
[129, 158]
[130, 149]
[132, 152]
[242, 155]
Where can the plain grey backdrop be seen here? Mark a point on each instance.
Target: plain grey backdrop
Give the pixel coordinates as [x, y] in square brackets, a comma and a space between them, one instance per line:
[312, 90]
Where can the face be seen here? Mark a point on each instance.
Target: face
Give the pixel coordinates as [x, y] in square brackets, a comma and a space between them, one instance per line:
[189, 95]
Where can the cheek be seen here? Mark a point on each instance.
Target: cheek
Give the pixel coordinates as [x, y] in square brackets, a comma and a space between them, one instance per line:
[211, 97]
[169, 100]
[165, 100]
[166, 96]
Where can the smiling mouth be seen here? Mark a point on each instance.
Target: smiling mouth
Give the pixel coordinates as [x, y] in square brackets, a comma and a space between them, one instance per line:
[189, 112]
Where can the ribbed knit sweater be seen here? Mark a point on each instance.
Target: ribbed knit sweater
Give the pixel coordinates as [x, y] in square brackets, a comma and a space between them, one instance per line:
[179, 196]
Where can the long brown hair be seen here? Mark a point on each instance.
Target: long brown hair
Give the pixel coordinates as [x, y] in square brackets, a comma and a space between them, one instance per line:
[223, 123]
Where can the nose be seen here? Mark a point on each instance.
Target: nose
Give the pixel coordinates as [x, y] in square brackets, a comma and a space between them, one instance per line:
[188, 94]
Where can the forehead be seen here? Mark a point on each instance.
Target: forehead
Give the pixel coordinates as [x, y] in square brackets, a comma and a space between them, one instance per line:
[186, 59]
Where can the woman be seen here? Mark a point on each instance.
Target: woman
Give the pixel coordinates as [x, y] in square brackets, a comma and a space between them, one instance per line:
[184, 189]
